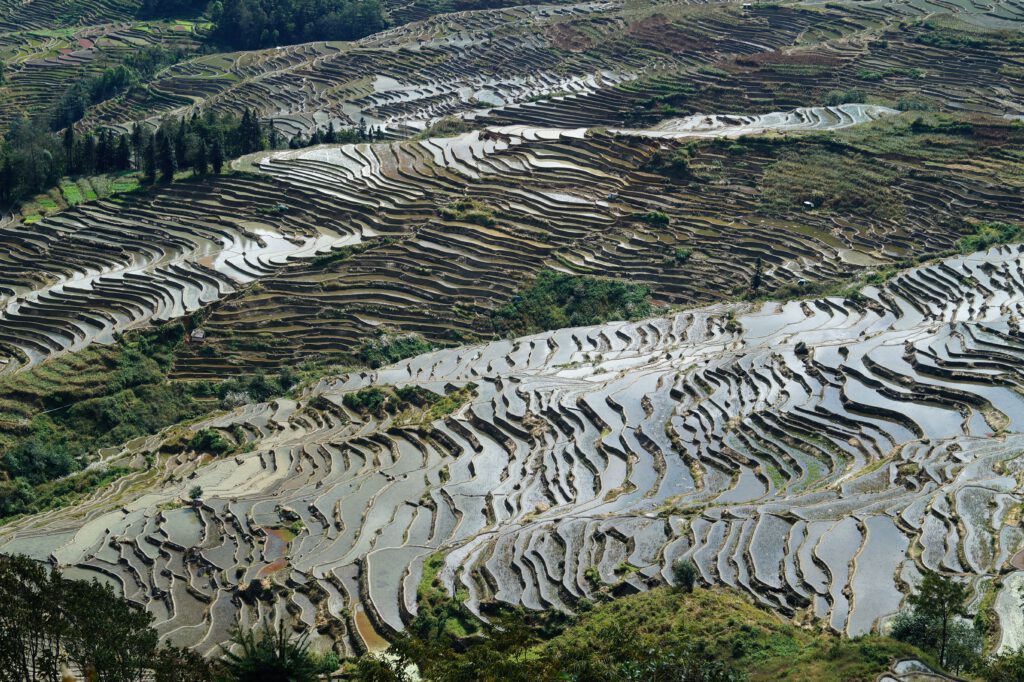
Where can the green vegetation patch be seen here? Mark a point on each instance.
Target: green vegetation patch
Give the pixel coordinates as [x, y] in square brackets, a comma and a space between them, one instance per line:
[555, 300]
[987, 235]
[469, 211]
[664, 634]
[831, 181]
[390, 348]
[54, 416]
[410, 404]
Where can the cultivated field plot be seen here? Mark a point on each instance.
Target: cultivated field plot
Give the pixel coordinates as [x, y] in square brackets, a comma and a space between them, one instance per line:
[603, 63]
[42, 63]
[575, 200]
[815, 454]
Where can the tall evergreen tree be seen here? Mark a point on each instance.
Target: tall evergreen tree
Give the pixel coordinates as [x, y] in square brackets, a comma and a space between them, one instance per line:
[123, 156]
[217, 156]
[181, 144]
[137, 140]
[165, 157]
[150, 159]
[89, 154]
[201, 162]
[69, 149]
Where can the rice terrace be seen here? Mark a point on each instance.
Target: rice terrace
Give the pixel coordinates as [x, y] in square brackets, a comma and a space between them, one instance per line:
[452, 340]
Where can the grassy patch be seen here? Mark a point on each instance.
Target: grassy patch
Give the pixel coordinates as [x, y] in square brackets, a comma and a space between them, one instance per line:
[410, 405]
[556, 300]
[987, 235]
[831, 181]
[53, 417]
[715, 635]
[469, 211]
[390, 348]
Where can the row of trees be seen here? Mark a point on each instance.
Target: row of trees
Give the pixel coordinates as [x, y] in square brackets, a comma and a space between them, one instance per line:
[33, 160]
[252, 24]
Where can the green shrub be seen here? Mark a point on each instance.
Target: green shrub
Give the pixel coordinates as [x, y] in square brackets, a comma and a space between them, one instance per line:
[210, 441]
[988, 235]
[685, 573]
[387, 349]
[656, 218]
[853, 96]
[556, 300]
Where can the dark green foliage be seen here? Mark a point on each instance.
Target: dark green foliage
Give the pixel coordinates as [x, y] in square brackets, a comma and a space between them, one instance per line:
[674, 164]
[963, 642]
[988, 235]
[935, 623]
[469, 211]
[171, 664]
[685, 574]
[947, 38]
[368, 401]
[853, 96]
[31, 160]
[387, 349]
[172, 9]
[1007, 667]
[130, 397]
[257, 387]
[941, 125]
[252, 24]
[102, 634]
[655, 218]
[210, 441]
[833, 181]
[556, 300]
[269, 654]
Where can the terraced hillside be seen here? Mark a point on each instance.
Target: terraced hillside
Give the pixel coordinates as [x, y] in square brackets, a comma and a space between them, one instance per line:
[42, 63]
[458, 224]
[815, 454]
[602, 63]
[827, 401]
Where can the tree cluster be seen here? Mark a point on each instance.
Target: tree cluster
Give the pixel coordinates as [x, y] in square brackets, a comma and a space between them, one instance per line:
[31, 160]
[50, 626]
[253, 24]
[938, 622]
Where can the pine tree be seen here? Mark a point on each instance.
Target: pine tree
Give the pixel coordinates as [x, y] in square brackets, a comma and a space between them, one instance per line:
[123, 156]
[332, 136]
[6, 180]
[201, 162]
[181, 144]
[217, 156]
[257, 133]
[69, 149]
[89, 153]
[137, 139]
[104, 151]
[150, 159]
[165, 156]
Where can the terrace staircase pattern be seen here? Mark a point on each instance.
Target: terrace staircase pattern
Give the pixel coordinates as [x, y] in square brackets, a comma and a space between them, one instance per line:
[815, 454]
[594, 63]
[563, 199]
